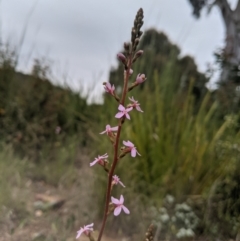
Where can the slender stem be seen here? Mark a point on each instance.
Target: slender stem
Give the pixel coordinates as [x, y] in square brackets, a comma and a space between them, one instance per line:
[116, 144]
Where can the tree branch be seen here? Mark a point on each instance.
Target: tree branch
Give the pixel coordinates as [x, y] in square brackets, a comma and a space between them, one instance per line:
[225, 10]
[237, 9]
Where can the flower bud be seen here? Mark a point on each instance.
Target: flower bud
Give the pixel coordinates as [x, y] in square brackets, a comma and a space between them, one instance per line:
[130, 72]
[140, 78]
[122, 58]
[137, 40]
[139, 53]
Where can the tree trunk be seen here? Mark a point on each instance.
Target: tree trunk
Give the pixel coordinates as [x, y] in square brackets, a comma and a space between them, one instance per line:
[231, 53]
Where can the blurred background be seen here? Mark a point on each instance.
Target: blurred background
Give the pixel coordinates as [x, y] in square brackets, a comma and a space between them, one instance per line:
[54, 57]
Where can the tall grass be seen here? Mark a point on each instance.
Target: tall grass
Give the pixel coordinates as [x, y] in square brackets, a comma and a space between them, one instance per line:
[11, 171]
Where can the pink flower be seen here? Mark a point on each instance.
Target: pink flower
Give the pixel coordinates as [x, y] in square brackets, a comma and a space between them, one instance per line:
[100, 160]
[135, 104]
[131, 148]
[109, 129]
[140, 78]
[109, 89]
[116, 180]
[86, 230]
[123, 111]
[119, 205]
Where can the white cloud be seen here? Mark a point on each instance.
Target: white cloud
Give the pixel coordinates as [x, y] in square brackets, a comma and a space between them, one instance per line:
[88, 34]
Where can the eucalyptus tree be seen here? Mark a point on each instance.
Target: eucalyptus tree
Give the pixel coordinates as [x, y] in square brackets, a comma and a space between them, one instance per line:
[230, 55]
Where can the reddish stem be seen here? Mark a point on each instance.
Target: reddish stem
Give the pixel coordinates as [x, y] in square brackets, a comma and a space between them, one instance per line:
[115, 159]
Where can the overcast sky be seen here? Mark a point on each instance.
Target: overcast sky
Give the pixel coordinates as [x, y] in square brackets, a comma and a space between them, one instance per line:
[82, 37]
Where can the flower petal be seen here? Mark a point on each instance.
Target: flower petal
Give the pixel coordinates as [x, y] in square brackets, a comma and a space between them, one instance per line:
[79, 233]
[129, 109]
[121, 107]
[103, 156]
[119, 115]
[114, 128]
[132, 99]
[121, 199]
[94, 162]
[114, 200]
[129, 144]
[102, 132]
[108, 85]
[117, 210]
[133, 152]
[89, 225]
[125, 143]
[139, 109]
[127, 115]
[121, 183]
[125, 210]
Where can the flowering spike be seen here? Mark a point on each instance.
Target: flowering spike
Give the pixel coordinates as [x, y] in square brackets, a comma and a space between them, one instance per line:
[119, 205]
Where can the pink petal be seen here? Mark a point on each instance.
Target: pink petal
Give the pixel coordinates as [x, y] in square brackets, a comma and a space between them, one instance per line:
[121, 199]
[94, 162]
[128, 143]
[114, 128]
[119, 115]
[129, 109]
[125, 143]
[125, 210]
[132, 99]
[108, 127]
[121, 107]
[117, 210]
[79, 233]
[115, 201]
[128, 116]
[103, 156]
[121, 183]
[89, 225]
[102, 132]
[138, 108]
[108, 85]
[133, 152]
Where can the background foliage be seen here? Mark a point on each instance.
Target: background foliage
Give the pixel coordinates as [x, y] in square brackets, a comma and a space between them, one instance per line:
[188, 138]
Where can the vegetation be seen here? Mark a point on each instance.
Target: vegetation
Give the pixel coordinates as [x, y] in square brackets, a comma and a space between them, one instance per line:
[189, 143]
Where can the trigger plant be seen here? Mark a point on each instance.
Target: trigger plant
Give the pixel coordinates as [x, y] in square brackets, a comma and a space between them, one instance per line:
[114, 206]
